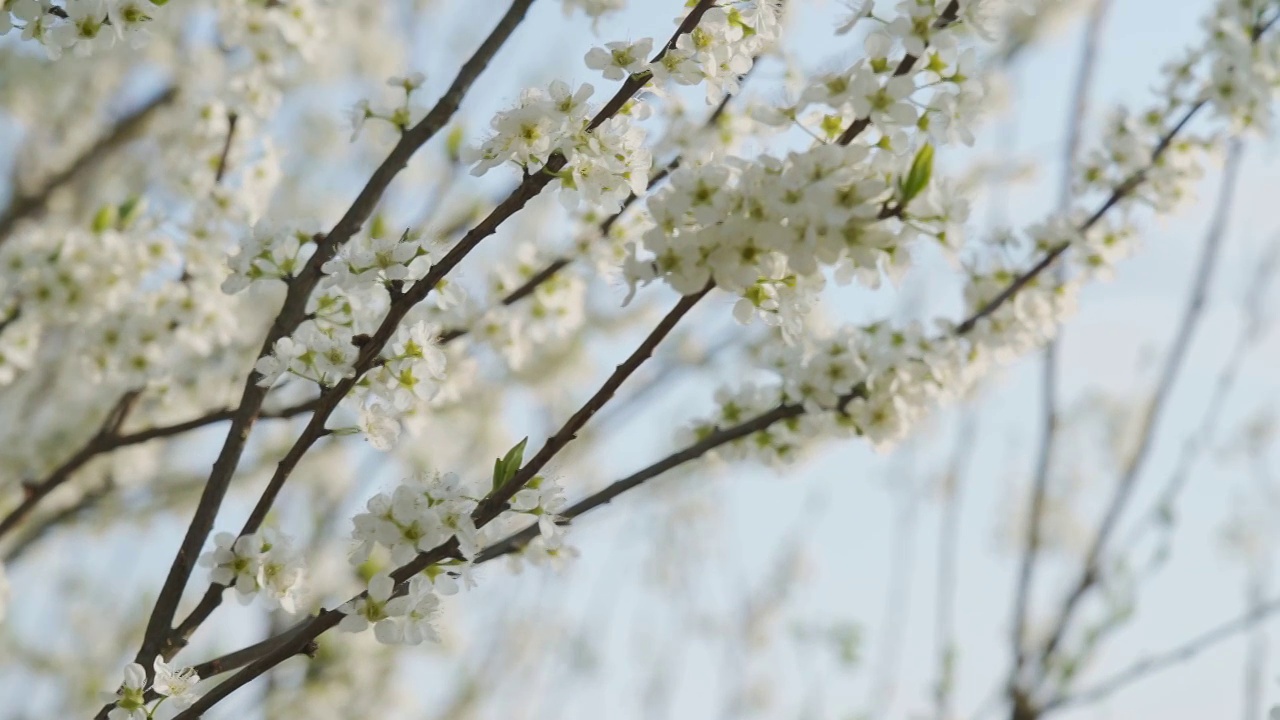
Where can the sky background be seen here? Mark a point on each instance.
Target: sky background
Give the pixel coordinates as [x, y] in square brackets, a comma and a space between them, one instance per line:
[847, 507]
[636, 626]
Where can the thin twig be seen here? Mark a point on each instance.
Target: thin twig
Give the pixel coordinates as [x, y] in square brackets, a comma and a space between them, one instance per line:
[221, 170]
[32, 205]
[948, 559]
[949, 15]
[1156, 663]
[292, 314]
[1049, 376]
[169, 642]
[101, 444]
[1190, 321]
[294, 640]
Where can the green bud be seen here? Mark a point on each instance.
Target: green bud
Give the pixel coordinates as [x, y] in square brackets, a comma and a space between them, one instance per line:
[453, 144]
[104, 219]
[129, 211]
[917, 178]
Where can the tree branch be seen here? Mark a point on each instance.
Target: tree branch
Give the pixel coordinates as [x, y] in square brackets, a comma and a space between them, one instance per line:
[105, 442]
[949, 16]
[291, 316]
[1044, 463]
[1167, 659]
[27, 206]
[166, 641]
[1089, 575]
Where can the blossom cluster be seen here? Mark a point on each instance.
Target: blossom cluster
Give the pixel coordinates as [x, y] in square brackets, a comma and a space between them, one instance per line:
[264, 563]
[349, 306]
[594, 8]
[877, 380]
[429, 509]
[602, 166]
[422, 513]
[767, 228]
[78, 25]
[605, 162]
[178, 687]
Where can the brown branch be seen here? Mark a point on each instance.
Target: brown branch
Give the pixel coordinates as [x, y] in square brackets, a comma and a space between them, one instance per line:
[105, 442]
[165, 641]
[276, 650]
[1049, 386]
[1089, 575]
[221, 170]
[27, 206]
[292, 314]
[715, 439]
[34, 534]
[1156, 663]
[493, 505]
[99, 443]
[948, 561]
[949, 15]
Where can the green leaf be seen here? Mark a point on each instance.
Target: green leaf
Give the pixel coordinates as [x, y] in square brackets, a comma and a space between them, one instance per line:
[104, 219]
[129, 211]
[507, 466]
[918, 176]
[453, 143]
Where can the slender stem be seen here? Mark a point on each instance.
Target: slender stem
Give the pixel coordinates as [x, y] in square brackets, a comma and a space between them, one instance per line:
[1089, 574]
[101, 444]
[949, 15]
[292, 315]
[1049, 376]
[530, 187]
[27, 206]
[948, 559]
[1139, 670]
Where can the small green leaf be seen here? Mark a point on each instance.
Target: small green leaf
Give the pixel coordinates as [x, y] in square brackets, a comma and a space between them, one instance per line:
[104, 219]
[507, 466]
[129, 211]
[453, 144]
[917, 178]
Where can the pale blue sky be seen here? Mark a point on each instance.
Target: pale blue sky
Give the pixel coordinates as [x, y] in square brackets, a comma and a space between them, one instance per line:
[843, 501]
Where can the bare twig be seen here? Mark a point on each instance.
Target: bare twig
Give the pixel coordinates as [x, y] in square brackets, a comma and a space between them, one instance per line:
[948, 555]
[168, 642]
[32, 205]
[1089, 575]
[221, 170]
[1156, 663]
[102, 443]
[1044, 463]
[949, 15]
[1162, 510]
[107, 435]
[291, 315]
